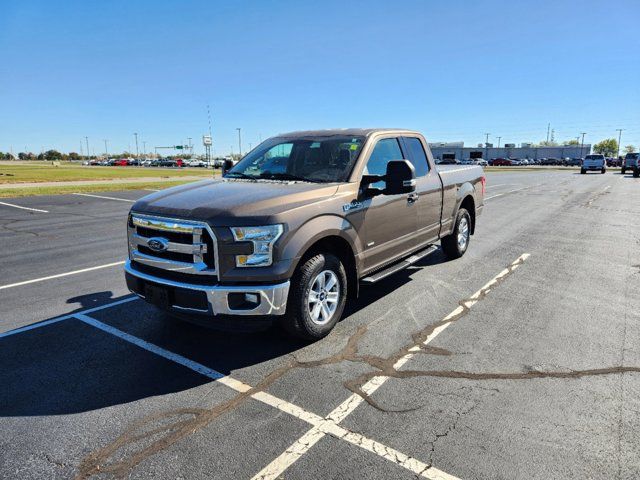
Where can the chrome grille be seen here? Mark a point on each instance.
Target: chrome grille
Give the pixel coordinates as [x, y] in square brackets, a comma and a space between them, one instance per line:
[172, 245]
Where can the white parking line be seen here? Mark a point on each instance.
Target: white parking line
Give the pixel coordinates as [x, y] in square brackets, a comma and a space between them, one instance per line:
[106, 198]
[59, 275]
[24, 208]
[64, 317]
[504, 193]
[276, 468]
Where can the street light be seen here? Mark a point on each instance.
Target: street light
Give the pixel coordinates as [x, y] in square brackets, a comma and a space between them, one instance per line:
[582, 144]
[239, 142]
[87, 140]
[486, 146]
[619, 130]
[137, 151]
[106, 150]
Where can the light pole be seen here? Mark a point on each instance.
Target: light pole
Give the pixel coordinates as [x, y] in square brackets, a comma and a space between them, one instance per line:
[87, 140]
[239, 142]
[137, 151]
[619, 130]
[582, 144]
[499, 138]
[486, 146]
[144, 148]
[106, 150]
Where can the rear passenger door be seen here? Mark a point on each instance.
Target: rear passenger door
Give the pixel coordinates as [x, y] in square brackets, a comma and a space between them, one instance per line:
[428, 190]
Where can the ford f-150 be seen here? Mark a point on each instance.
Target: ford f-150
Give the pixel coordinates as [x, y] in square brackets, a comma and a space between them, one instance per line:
[298, 226]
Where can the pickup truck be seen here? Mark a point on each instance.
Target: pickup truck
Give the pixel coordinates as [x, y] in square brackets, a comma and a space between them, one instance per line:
[631, 162]
[297, 227]
[594, 161]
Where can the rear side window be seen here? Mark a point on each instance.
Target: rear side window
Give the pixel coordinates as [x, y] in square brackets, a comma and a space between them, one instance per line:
[417, 155]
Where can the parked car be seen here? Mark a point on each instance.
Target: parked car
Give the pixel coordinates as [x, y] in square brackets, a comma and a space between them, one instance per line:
[501, 162]
[572, 162]
[352, 207]
[593, 162]
[631, 162]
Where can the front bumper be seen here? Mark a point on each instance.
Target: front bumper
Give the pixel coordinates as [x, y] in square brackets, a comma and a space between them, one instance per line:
[210, 299]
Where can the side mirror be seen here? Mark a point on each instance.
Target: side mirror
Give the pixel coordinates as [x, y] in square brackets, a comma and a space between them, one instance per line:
[227, 165]
[400, 177]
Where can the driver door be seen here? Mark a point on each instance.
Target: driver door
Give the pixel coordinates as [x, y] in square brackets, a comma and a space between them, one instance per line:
[390, 221]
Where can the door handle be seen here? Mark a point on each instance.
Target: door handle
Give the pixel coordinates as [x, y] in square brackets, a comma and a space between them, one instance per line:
[412, 197]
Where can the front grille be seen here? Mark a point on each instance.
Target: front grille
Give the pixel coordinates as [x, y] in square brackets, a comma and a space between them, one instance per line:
[172, 247]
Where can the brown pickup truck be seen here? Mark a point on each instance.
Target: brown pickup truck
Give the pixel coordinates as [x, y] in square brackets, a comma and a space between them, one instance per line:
[298, 226]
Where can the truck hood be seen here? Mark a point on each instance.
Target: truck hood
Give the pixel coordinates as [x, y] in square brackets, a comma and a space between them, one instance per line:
[226, 202]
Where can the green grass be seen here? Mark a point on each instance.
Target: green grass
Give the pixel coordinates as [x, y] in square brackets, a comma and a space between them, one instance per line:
[19, 172]
[106, 187]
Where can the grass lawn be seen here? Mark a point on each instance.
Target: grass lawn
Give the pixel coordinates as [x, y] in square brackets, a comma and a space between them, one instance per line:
[19, 172]
[106, 187]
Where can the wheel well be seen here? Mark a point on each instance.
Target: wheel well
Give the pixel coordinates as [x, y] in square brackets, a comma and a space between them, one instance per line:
[340, 248]
[470, 205]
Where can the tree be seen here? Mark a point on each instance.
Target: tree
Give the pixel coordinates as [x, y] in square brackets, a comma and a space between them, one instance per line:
[573, 141]
[52, 155]
[607, 147]
[74, 156]
[629, 149]
[548, 143]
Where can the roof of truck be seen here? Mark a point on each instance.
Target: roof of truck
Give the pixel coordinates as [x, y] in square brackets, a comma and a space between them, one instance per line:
[342, 131]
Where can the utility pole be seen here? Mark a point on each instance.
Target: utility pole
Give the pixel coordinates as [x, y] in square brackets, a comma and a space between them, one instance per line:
[137, 151]
[144, 148]
[190, 146]
[486, 146]
[239, 142]
[106, 150]
[88, 154]
[548, 130]
[499, 138]
[619, 130]
[582, 144]
[81, 149]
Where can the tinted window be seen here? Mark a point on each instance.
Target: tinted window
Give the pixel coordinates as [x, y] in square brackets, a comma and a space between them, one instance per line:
[385, 150]
[417, 155]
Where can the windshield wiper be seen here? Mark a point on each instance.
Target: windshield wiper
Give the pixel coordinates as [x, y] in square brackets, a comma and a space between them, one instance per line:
[239, 175]
[287, 176]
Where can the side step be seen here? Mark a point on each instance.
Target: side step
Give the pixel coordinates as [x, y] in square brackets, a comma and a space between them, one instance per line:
[396, 267]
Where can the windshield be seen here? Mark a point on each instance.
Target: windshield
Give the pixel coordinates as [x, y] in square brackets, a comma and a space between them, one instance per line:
[594, 157]
[312, 159]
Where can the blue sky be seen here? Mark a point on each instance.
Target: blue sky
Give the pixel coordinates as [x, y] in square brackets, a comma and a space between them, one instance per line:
[452, 69]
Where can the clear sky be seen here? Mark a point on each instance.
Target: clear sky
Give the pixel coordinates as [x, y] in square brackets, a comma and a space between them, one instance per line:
[452, 69]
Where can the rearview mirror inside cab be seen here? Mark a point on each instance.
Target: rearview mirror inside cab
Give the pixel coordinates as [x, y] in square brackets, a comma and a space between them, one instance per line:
[400, 177]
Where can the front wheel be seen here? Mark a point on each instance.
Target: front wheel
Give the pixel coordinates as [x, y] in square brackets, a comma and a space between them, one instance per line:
[317, 297]
[582, 171]
[455, 244]
[603, 170]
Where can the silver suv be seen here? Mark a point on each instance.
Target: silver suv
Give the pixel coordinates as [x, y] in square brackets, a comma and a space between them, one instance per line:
[594, 162]
[631, 162]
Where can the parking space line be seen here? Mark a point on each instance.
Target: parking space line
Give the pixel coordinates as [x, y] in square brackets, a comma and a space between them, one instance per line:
[24, 208]
[276, 468]
[64, 317]
[321, 426]
[105, 198]
[504, 193]
[59, 275]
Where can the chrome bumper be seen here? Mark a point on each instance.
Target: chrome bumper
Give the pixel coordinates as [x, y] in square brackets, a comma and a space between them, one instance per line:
[273, 298]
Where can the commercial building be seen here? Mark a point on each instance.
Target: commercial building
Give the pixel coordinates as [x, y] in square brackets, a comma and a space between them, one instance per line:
[457, 150]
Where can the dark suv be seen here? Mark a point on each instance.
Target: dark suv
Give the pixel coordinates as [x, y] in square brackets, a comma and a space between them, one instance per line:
[631, 162]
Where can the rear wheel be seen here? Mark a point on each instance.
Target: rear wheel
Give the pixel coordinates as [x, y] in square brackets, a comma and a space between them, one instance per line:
[623, 171]
[603, 170]
[455, 244]
[636, 172]
[317, 297]
[583, 171]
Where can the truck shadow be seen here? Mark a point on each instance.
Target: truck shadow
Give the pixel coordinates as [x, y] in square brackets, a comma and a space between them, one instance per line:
[69, 366]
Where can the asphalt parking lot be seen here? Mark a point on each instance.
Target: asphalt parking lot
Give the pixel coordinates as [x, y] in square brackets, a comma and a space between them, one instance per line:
[519, 360]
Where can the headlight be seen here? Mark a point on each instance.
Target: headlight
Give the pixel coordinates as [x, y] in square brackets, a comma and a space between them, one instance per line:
[262, 238]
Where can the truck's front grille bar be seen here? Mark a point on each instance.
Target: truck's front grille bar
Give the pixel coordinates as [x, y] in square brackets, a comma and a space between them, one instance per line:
[172, 245]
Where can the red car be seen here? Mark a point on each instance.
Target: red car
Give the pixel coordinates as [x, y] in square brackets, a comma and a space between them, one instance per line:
[501, 162]
[121, 163]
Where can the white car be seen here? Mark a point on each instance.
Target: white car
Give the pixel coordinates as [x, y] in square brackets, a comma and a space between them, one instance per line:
[594, 162]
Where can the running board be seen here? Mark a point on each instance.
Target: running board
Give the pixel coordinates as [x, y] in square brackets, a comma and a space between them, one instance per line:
[396, 267]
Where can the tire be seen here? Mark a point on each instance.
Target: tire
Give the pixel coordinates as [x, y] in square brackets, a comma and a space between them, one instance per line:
[453, 245]
[582, 171]
[603, 170]
[299, 319]
[636, 172]
[623, 171]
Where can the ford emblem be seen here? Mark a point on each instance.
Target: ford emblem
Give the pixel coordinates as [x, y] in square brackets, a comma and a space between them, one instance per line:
[158, 244]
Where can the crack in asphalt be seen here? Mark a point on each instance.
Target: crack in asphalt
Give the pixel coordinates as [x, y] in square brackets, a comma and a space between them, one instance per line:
[160, 438]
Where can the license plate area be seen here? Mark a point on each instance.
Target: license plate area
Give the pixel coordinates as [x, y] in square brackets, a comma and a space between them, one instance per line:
[158, 295]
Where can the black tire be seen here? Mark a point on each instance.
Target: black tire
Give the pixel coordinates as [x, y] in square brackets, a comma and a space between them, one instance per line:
[582, 171]
[623, 170]
[603, 170]
[450, 245]
[298, 320]
[636, 172]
